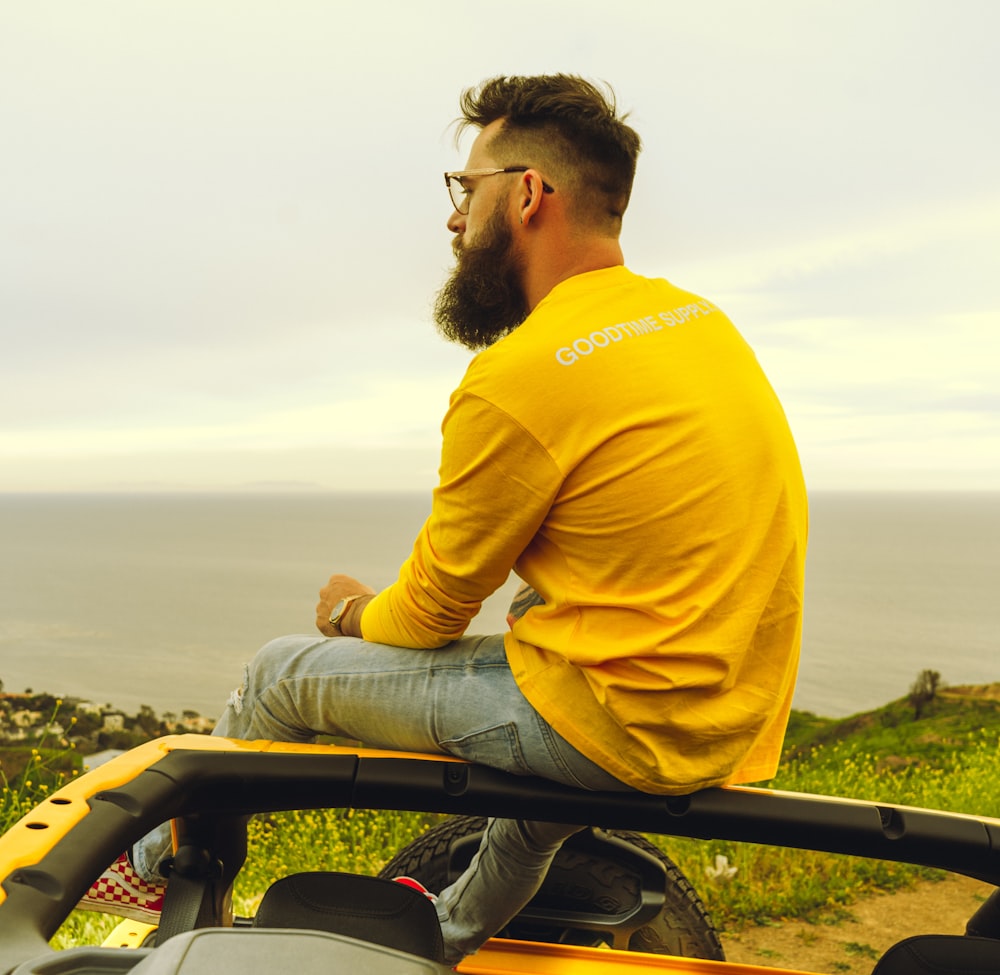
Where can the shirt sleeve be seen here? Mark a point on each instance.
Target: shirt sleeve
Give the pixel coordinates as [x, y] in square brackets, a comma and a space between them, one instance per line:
[497, 484]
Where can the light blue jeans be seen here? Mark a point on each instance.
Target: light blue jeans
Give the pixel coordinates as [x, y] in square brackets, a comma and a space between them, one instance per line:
[459, 700]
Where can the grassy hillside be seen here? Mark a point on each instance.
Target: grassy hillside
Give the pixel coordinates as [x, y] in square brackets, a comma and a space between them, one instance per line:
[895, 736]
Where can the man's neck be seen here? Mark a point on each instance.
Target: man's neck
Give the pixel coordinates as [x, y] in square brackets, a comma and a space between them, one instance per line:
[545, 270]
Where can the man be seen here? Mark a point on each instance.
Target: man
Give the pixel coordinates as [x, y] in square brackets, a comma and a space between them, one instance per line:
[617, 445]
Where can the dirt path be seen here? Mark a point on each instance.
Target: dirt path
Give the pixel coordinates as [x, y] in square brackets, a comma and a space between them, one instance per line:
[846, 947]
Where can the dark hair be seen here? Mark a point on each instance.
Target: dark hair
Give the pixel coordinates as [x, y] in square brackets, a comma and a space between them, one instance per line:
[568, 128]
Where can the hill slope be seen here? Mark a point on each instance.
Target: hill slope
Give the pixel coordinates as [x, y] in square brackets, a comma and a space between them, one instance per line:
[895, 735]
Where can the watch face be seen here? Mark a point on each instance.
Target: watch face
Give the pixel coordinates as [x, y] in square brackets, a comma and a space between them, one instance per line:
[339, 610]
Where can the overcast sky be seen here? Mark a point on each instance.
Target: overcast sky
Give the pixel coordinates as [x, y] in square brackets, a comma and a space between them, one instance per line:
[222, 224]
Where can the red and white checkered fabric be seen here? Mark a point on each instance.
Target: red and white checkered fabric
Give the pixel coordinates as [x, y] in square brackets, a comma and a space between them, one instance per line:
[121, 891]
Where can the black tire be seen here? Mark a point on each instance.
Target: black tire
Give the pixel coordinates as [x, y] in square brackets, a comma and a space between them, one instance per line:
[586, 878]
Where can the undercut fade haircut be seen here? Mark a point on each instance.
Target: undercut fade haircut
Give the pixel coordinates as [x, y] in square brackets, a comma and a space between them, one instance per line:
[569, 129]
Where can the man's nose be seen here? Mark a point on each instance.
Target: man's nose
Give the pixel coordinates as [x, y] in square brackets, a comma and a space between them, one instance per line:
[456, 222]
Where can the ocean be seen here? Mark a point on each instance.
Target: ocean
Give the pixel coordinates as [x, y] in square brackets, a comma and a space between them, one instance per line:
[159, 599]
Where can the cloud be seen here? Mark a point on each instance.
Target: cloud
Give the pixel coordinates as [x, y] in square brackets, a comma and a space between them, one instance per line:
[230, 221]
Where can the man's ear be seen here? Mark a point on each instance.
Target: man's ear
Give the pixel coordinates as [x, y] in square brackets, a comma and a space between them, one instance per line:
[530, 197]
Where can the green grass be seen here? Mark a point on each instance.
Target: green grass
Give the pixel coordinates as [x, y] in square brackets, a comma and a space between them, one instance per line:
[351, 840]
[946, 760]
[30, 773]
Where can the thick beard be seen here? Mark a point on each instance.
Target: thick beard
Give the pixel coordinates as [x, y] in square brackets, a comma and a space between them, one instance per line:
[484, 299]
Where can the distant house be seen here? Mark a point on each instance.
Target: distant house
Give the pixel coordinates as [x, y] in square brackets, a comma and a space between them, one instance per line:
[113, 720]
[26, 719]
[24, 724]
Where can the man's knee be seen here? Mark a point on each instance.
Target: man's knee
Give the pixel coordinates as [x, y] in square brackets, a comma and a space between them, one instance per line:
[264, 670]
[274, 660]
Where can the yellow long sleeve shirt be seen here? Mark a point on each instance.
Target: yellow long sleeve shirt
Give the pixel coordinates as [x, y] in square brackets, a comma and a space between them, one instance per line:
[623, 451]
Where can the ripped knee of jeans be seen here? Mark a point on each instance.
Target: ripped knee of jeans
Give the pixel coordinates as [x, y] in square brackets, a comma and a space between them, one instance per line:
[236, 698]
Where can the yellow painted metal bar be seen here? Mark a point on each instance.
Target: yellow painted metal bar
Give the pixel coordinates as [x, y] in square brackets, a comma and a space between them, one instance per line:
[529, 958]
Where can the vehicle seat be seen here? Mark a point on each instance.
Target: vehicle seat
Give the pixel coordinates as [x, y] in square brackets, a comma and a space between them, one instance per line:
[368, 908]
[941, 954]
[209, 951]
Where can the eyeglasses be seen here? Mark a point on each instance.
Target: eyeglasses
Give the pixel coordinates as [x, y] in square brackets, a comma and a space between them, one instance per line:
[459, 192]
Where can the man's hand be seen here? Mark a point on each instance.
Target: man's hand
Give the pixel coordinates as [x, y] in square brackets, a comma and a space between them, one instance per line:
[332, 593]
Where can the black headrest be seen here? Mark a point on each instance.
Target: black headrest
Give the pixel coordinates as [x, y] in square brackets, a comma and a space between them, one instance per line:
[369, 908]
[941, 954]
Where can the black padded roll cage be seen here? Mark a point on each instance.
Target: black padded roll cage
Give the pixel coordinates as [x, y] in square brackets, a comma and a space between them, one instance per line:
[211, 793]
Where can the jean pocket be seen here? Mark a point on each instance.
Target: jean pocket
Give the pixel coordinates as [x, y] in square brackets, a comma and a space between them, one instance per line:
[498, 746]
